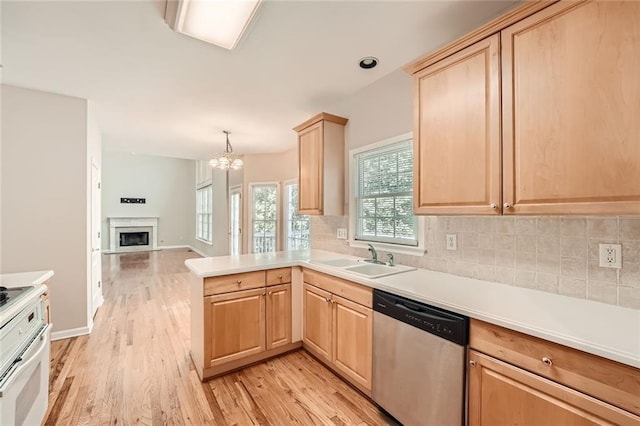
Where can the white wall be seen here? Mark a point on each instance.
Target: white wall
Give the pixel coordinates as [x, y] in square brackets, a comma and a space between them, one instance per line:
[220, 244]
[43, 182]
[166, 183]
[280, 168]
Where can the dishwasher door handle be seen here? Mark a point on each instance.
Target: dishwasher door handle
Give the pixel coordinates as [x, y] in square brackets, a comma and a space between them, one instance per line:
[420, 311]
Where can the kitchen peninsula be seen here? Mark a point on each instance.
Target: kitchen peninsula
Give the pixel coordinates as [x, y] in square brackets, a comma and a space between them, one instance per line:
[551, 336]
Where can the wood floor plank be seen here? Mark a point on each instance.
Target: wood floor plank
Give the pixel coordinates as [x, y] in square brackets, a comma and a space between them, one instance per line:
[135, 367]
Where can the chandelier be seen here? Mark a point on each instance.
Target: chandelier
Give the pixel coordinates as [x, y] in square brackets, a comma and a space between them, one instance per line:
[227, 160]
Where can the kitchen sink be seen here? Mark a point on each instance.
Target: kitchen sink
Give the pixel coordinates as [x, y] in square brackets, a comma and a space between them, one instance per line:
[365, 269]
[339, 263]
[372, 270]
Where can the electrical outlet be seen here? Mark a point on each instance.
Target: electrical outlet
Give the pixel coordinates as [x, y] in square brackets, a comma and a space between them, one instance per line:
[452, 242]
[342, 233]
[610, 256]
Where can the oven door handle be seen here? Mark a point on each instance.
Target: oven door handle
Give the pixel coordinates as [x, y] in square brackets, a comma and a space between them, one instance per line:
[21, 365]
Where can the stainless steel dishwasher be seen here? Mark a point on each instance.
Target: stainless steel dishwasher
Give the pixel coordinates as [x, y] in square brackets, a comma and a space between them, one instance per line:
[419, 354]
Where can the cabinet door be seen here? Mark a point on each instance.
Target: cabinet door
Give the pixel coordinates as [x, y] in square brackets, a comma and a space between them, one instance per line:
[278, 315]
[502, 394]
[457, 133]
[352, 340]
[310, 163]
[234, 325]
[316, 332]
[571, 102]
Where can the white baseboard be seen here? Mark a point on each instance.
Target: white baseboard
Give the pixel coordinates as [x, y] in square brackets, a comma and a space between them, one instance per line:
[173, 247]
[73, 332]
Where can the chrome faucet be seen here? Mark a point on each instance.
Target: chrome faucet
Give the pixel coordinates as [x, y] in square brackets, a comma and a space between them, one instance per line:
[391, 261]
[374, 256]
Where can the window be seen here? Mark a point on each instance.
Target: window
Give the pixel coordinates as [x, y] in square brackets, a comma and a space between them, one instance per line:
[204, 213]
[297, 233]
[383, 194]
[264, 217]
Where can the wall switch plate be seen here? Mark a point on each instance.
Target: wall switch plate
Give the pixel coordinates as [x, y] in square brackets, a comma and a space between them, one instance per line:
[342, 233]
[610, 255]
[452, 242]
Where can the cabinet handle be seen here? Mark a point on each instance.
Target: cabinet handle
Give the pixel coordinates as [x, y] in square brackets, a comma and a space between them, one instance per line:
[493, 206]
[547, 361]
[507, 206]
[473, 363]
[239, 282]
[280, 277]
[270, 293]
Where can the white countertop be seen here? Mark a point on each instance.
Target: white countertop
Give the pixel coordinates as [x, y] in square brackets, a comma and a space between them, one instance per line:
[606, 330]
[23, 279]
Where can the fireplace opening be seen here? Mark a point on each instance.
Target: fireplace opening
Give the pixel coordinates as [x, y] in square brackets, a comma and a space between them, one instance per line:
[128, 239]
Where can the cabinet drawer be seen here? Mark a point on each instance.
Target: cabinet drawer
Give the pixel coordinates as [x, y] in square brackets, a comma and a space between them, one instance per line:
[352, 291]
[235, 282]
[607, 380]
[278, 276]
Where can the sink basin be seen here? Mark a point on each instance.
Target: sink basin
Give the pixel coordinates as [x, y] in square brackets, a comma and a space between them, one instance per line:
[339, 263]
[372, 270]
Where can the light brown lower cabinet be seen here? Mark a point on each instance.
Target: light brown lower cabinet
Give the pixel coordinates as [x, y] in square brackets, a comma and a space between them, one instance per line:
[233, 326]
[236, 322]
[339, 331]
[316, 333]
[278, 316]
[502, 394]
[353, 340]
[517, 379]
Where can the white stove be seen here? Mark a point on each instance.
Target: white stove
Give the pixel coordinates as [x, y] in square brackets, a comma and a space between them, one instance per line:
[24, 351]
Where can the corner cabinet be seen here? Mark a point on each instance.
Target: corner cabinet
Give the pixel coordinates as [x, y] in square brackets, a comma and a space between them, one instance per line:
[548, 102]
[338, 326]
[243, 318]
[515, 379]
[321, 165]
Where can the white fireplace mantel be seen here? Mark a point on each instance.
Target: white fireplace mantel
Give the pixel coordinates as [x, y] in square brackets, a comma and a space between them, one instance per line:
[120, 223]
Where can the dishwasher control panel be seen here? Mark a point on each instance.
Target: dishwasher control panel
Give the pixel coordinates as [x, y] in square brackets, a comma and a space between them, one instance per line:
[442, 323]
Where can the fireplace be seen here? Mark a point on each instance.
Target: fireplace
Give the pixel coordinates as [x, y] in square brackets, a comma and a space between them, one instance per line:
[128, 239]
[133, 233]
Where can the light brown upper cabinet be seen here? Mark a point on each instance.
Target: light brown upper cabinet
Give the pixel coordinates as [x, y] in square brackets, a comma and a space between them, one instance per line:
[571, 108]
[566, 138]
[457, 123]
[321, 165]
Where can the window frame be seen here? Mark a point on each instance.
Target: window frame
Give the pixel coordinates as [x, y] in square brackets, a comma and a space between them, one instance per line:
[418, 250]
[285, 214]
[201, 187]
[278, 231]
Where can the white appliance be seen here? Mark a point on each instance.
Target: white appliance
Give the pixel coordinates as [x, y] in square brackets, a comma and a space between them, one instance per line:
[24, 356]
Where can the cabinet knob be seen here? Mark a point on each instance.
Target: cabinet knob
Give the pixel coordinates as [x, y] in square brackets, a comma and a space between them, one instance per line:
[239, 282]
[270, 293]
[547, 361]
[493, 206]
[473, 362]
[506, 206]
[327, 300]
[280, 277]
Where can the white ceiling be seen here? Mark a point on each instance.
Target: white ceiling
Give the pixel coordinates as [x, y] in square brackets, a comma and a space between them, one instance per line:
[158, 92]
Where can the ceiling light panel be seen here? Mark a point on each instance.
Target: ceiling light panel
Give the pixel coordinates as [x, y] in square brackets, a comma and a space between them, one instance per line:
[219, 22]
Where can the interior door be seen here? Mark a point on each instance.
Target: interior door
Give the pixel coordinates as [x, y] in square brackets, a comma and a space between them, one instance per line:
[96, 240]
[235, 220]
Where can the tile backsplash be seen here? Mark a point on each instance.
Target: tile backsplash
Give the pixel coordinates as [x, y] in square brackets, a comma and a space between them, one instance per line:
[547, 253]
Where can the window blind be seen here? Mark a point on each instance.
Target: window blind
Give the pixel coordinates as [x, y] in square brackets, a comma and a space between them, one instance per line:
[384, 195]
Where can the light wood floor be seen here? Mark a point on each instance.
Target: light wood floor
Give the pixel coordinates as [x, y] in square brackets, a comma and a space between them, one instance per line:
[135, 368]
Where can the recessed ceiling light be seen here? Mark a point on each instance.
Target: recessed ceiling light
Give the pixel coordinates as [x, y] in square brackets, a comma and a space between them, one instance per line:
[368, 62]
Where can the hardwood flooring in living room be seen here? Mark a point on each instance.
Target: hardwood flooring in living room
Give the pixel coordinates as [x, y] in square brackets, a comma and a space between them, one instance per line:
[135, 366]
